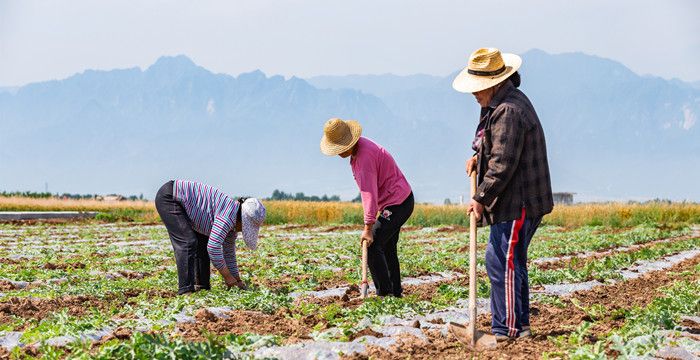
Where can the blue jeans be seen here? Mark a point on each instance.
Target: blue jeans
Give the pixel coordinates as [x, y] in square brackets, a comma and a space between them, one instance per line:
[506, 265]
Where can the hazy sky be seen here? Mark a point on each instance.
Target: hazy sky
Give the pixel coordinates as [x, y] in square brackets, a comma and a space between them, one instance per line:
[41, 40]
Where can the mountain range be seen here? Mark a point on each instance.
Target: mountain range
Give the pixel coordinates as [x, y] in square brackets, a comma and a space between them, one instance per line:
[611, 134]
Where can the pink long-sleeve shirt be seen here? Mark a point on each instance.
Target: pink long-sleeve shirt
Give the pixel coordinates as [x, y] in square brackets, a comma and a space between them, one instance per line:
[380, 180]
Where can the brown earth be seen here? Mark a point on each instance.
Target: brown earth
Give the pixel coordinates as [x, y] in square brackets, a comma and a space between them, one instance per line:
[341, 228]
[9, 261]
[120, 334]
[133, 274]
[241, 322]
[40, 308]
[550, 321]
[76, 305]
[351, 298]
[453, 228]
[296, 226]
[365, 332]
[63, 266]
[6, 285]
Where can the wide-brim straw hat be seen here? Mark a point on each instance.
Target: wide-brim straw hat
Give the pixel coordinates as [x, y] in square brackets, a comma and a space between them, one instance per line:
[339, 136]
[487, 67]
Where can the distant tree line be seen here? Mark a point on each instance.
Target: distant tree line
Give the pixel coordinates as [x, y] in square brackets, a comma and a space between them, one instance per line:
[48, 195]
[29, 194]
[281, 195]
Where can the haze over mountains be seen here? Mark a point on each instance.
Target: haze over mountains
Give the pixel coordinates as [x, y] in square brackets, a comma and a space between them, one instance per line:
[612, 135]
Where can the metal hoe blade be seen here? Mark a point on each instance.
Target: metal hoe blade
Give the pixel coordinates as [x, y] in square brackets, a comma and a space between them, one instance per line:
[479, 341]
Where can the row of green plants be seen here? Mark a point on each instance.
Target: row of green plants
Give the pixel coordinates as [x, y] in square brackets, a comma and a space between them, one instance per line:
[608, 267]
[644, 329]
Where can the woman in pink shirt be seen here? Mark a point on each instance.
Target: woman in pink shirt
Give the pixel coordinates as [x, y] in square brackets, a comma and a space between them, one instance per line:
[383, 189]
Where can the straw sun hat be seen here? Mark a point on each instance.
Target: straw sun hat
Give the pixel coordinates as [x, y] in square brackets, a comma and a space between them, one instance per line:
[339, 136]
[487, 67]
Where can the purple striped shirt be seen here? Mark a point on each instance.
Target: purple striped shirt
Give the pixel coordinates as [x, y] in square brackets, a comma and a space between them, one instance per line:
[212, 213]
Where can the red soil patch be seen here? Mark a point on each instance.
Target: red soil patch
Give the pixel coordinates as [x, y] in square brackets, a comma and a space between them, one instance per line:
[365, 332]
[77, 305]
[453, 228]
[63, 266]
[241, 322]
[341, 228]
[40, 308]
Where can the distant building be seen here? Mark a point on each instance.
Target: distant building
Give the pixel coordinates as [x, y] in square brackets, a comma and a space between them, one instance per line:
[565, 198]
[113, 197]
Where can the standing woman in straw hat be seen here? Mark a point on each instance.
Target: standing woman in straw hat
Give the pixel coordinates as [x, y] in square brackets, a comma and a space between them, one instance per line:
[383, 189]
[202, 223]
[514, 189]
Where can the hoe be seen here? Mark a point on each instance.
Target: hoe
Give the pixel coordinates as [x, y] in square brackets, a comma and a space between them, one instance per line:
[364, 285]
[469, 335]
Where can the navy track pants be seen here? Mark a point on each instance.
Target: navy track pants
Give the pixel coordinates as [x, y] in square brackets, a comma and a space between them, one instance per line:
[506, 265]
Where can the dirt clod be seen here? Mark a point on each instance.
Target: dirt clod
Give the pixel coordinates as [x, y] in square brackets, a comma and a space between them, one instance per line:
[204, 315]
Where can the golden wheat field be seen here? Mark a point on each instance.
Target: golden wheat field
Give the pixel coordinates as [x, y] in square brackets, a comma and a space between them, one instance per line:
[300, 212]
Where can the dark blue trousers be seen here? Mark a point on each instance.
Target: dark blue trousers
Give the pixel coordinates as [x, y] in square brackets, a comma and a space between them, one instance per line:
[506, 265]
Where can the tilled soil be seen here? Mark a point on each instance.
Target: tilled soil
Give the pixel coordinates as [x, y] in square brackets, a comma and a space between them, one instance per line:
[351, 298]
[549, 320]
[241, 322]
[6, 285]
[63, 266]
[283, 285]
[39, 308]
[76, 305]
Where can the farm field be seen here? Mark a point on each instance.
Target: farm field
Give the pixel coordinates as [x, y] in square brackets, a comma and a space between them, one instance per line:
[107, 290]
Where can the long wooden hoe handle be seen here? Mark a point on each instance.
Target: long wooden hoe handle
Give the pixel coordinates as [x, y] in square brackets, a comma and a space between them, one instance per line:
[364, 285]
[472, 265]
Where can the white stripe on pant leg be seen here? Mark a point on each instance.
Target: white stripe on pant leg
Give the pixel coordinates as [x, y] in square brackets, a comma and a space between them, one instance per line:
[510, 303]
[508, 284]
[512, 281]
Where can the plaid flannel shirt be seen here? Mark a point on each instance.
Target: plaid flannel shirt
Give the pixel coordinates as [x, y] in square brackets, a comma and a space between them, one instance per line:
[512, 160]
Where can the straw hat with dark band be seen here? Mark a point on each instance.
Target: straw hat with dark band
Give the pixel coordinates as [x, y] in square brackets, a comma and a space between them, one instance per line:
[339, 136]
[487, 68]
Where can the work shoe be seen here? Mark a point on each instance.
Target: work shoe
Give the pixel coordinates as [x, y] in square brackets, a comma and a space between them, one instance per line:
[525, 332]
[503, 338]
